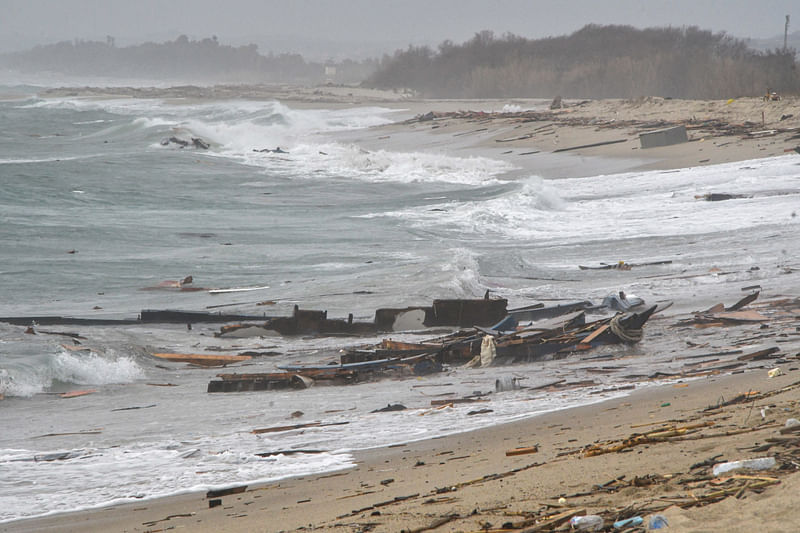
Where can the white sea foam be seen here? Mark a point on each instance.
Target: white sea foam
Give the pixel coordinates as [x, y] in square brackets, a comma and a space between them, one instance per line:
[94, 369]
[236, 129]
[85, 368]
[463, 271]
[237, 133]
[8, 161]
[57, 480]
[146, 470]
[644, 204]
[410, 167]
[24, 385]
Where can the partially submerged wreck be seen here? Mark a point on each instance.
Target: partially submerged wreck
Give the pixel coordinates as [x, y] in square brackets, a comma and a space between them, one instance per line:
[441, 313]
[522, 335]
[487, 333]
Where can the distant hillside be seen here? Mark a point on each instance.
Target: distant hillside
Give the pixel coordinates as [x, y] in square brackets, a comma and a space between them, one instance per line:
[594, 62]
[182, 59]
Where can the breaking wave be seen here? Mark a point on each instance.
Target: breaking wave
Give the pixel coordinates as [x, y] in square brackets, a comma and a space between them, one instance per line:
[24, 379]
[463, 274]
[643, 204]
[240, 130]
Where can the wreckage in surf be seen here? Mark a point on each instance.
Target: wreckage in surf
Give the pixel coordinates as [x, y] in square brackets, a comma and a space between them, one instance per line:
[523, 335]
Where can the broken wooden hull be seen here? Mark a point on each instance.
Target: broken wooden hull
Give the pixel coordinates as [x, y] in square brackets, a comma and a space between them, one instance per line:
[258, 382]
[304, 376]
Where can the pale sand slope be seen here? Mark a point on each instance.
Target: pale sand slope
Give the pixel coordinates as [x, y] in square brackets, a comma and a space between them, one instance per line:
[718, 132]
[419, 469]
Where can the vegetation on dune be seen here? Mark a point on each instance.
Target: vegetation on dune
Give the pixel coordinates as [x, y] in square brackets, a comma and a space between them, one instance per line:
[594, 62]
[597, 62]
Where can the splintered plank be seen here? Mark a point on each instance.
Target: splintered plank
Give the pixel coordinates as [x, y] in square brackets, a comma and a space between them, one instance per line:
[759, 355]
[740, 316]
[225, 492]
[522, 451]
[596, 333]
[76, 393]
[276, 429]
[202, 359]
[592, 145]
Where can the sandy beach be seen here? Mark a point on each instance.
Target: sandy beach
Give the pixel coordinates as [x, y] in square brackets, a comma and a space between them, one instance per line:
[650, 452]
[603, 136]
[468, 482]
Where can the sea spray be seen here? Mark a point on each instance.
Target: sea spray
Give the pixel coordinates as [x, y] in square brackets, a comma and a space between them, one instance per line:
[94, 369]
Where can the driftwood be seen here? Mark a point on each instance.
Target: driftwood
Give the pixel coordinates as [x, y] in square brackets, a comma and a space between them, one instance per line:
[276, 429]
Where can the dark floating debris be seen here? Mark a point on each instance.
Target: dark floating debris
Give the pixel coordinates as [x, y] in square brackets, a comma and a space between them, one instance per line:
[719, 196]
[183, 143]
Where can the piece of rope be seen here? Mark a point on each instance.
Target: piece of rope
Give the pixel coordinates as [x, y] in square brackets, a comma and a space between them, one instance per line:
[628, 335]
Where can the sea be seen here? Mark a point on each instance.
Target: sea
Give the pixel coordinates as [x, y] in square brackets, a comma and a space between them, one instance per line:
[347, 218]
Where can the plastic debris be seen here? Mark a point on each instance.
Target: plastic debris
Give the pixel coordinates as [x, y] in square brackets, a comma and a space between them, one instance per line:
[657, 521]
[630, 522]
[761, 463]
[591, 522]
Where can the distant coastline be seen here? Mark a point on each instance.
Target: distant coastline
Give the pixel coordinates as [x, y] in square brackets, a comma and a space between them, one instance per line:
[719, 131]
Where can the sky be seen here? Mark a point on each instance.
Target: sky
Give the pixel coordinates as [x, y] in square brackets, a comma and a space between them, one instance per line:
[363, 28]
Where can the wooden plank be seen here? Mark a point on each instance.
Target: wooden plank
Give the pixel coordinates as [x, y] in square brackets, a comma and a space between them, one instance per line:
[741, 316]
[434, 403]
[202, 359]
[76, 393]
[225, 492]
[744, 301]
[269, 376]
[521, 451]
[596, 333]
[761, 354]
[276, 429]
[604, 143]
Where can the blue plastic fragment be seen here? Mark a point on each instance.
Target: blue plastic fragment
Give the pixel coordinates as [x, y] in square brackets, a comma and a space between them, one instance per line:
[634, 521]
[658, 521]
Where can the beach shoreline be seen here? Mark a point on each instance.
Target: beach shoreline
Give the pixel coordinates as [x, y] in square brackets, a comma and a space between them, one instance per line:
[409, 487]
[526, 132]
[469, 477]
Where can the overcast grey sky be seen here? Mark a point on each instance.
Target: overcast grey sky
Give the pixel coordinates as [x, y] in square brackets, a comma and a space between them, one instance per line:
[361, 24]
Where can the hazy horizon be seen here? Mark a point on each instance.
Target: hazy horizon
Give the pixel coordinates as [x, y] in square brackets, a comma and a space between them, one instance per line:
[359, 29]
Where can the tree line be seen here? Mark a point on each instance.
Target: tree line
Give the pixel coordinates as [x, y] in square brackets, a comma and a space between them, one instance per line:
[182, 59]
[594, 62]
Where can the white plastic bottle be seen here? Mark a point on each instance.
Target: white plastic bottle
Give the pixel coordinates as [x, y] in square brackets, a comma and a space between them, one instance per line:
[761, 463]
[590, 522]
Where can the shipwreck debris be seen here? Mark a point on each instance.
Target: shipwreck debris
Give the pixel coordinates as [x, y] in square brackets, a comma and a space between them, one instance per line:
[196, 142]
[663, 137]
[553, 332]
[720, 196]
[442, 313]
[202, 359]
[622, 265]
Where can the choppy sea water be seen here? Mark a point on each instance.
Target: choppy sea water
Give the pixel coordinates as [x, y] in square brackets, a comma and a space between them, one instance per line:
[93, 208]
